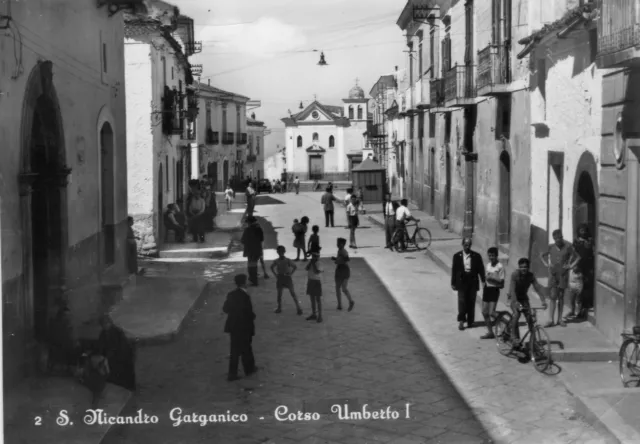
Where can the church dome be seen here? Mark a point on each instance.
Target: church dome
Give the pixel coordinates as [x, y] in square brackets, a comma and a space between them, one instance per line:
[356, 93]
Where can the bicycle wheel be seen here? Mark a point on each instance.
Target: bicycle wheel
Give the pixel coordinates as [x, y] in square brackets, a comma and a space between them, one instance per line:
[502, 330]
[540, 349]
[422, 238]
[629, 363]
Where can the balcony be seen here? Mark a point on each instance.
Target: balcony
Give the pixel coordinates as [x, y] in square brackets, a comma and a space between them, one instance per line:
[494, 73]
[459, 88]
[251, 158]
[424, 101]
[619, 34]
[436, 93]
[241, 138]
[212, 137]
[227, 138]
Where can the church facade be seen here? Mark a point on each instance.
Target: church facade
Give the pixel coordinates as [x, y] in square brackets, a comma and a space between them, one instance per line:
[325, 142]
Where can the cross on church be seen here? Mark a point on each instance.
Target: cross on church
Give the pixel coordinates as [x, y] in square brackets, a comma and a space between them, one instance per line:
[315, 97]
[357, 81]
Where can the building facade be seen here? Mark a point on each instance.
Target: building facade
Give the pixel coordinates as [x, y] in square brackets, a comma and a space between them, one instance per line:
[380, 135]
[466, 108]
[161, 110]
[255, 148]
[222, 136]
[63, 193]
[617, 209]
[326, 142]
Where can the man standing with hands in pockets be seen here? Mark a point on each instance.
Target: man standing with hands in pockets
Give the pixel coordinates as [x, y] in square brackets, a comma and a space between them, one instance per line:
[389, 213]
[467, 267]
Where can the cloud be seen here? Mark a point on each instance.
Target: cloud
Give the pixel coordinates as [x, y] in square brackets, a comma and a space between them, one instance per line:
[263, 38]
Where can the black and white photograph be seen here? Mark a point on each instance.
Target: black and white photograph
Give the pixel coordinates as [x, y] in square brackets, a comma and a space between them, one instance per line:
[320, 221]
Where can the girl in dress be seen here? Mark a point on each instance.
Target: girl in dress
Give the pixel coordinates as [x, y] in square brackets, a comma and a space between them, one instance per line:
[228, 196]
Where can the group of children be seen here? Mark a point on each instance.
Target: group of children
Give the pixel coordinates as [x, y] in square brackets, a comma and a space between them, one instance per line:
[284, 268]
[565, 275]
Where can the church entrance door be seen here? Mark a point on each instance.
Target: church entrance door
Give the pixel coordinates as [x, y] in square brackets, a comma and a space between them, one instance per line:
[316, 167]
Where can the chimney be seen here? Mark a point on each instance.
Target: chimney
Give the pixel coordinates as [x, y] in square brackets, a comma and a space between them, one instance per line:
[253, 116]
[209, 81]
[396, 67]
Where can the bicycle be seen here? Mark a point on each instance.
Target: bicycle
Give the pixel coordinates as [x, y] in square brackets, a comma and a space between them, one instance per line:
[421, 237]
[539, 342]
[630, 362]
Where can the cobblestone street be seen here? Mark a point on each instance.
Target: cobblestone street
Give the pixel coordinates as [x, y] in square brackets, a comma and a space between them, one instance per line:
[369, 356]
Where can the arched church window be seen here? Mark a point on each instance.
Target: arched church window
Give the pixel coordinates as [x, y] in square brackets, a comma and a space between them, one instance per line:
[351, 112]
[299, 141]
[315, 137]
[332, 141]
[359, 113]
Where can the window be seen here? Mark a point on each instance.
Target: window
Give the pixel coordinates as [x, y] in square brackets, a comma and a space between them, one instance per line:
[164, 70]
[224, 120]
[359, 113]
[166, 171]
[238, 119]
[468, 33]
[299, 144]
[593, 44]
[351, 112]
[208, 117]
[432, 52]
[420, 59]
[410, 45]
[446, 52]
[447, 128]
[315, 137]
[432, 125]
[172, 73]
[332, 142]
[103, 60]
[257, 145]
[420, 126]
[504, 117]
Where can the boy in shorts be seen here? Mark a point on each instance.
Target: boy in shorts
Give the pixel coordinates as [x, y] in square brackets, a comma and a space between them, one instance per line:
[559, 258]
[314, 286]
[521, 280]
[495, 274]
[283, 268]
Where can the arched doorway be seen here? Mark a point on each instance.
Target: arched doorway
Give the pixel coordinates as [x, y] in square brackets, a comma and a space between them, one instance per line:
[504, 211]
[43, 181]
[107, 194]
[225, 173]
[585, 211]
[160, 203]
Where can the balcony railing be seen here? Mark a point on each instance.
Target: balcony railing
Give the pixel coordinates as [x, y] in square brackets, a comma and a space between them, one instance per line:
[459, 86]
[493, 69]
[241, 138]
[436, 92]
[227, 138]
[618, 27]
[212, 137]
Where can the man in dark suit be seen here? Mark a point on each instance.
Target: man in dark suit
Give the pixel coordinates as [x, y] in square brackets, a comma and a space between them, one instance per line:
[240, 327]
[467, 267]
[389, 213]
[252, 239]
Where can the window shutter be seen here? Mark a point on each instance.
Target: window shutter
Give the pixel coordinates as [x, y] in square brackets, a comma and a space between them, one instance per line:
[468, 56]
[507, 22]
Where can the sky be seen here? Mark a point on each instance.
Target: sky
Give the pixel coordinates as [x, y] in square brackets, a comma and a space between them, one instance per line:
[264, 49]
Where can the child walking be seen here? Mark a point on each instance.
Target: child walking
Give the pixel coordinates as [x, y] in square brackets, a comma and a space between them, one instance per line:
[283, 268]
[314, 241]
[352, 214]
[299, 231]
[228, 196]
[343, 272]
[314, 286]
[495, 275]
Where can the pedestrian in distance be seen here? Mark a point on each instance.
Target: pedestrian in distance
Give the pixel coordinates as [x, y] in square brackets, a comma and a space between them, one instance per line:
[354, 221]
[520, 281]
[314, 286]
[495, 276]
[196, 210]
[327, 202]
[132, 248]
[559, 258]
[314, 241]
[389, 214]
[576, 287]
[296, 184]
[360, 199]
[283, 268]
[467, 270]
[299, 231]
[252, 239]
[240, 327]
[171, 222]
[343, 273]
[228, 196]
